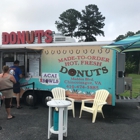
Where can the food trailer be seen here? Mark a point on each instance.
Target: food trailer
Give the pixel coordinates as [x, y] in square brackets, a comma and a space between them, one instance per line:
[52, 60]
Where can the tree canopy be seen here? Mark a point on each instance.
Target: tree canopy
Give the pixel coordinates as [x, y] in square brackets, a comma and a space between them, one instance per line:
[86, 24]
[69, 22]
[129, 33]
[91, 23]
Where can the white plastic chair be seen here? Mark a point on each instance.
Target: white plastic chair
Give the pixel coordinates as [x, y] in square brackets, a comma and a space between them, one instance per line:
[59, 94]
[98, 102]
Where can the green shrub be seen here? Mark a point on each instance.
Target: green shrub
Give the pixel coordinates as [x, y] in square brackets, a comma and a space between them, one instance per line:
[129, 67]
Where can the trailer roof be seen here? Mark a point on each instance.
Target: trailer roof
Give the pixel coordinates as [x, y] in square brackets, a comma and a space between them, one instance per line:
[42, 46]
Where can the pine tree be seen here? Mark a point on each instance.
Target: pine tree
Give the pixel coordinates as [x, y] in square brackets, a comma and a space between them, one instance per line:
[91, 23]
[68, 22]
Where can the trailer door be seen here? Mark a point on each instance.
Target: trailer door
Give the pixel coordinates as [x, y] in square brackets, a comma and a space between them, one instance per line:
[120, 73]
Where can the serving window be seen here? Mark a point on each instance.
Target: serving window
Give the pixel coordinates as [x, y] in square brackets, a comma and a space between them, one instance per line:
[7, 58]
[29, 60]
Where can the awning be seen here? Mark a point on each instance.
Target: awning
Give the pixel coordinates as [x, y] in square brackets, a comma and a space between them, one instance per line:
[131, 43]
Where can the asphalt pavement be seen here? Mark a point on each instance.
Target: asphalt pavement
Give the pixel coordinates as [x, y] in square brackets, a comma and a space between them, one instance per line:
[121, 122]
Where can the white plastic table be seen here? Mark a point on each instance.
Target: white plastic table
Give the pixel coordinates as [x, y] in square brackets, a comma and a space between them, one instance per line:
[63, 118]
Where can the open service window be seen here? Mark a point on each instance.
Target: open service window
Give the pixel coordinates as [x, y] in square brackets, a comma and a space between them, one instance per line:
[7, 58]
[29, 60]
[20, 56]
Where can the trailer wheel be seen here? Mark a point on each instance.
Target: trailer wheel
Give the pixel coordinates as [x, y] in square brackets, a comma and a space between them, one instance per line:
[45, 98]
[30, 99]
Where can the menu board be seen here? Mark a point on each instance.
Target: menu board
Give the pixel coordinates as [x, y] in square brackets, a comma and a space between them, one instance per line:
[20, 58]
[9, 64]
[34, 67]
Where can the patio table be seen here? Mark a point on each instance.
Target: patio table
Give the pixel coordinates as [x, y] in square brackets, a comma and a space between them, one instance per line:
[63, 118]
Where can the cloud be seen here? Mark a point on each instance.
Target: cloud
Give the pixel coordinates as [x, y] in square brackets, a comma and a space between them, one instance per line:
[19, 15]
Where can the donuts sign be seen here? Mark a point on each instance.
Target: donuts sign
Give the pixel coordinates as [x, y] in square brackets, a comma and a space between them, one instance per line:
[26, 37]
[83, 73]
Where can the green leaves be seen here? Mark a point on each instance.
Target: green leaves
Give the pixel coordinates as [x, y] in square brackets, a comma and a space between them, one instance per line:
[129, 66]
[86, 24]
[69, 22]
[129, 33]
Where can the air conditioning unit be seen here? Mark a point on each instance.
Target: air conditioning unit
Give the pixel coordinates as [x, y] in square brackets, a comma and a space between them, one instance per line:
[59, 38]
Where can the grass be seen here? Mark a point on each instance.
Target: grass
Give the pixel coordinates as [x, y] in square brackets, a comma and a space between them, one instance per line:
[135, 86]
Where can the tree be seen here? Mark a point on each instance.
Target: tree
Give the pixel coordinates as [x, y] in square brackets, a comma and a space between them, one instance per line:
[120, 37]
[129, 66]
[69, 22]
[85, 25]
[129, 33]
[91, 23]
[138, 32]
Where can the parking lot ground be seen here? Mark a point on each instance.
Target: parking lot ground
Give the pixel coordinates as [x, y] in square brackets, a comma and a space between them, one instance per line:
[121, 122]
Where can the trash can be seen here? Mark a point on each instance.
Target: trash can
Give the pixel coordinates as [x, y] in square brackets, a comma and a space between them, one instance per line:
[55, 119]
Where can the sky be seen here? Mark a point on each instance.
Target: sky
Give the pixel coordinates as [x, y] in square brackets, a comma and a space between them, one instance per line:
[27, 15]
